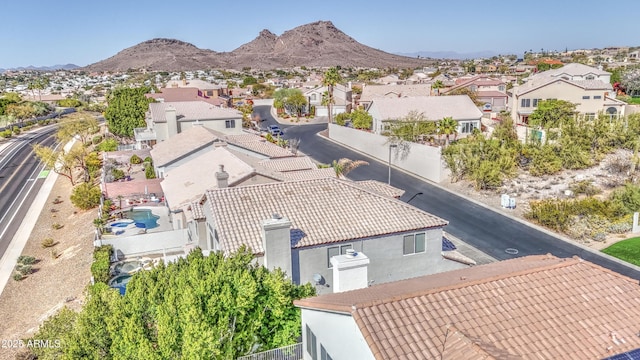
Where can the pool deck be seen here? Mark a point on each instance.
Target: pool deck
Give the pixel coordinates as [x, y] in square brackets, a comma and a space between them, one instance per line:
[163, 223]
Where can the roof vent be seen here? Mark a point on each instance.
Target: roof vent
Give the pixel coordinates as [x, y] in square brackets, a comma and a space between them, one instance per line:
[276, 216]
[351, 253]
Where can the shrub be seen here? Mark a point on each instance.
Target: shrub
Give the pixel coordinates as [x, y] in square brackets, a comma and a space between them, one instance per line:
[108, 145]
[149, 172]
[135, 159]
[628, 196]
[101, 262]
[16, 130]
[47, 243]
[26, 260]
[57, 200]
[148, 160]
[17, 276]
[117, 174]
[54, 254]
[56, 226]
[24, 269]
[96, 139]
[86, 196]
[585, 187]
[6, 134]
[342, 118]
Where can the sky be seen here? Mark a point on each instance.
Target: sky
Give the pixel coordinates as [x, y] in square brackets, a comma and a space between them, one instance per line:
[81, 32]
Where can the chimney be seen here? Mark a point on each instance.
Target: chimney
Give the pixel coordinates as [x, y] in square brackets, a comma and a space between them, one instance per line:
[222, 178]
[276, 242]
[172, 121]
[350, 271]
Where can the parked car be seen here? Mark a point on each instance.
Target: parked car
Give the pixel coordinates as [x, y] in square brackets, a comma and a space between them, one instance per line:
[274, 130]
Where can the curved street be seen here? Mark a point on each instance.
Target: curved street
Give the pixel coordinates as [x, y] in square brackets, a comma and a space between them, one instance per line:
[487, 230]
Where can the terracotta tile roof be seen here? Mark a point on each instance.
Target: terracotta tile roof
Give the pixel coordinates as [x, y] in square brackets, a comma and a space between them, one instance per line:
[535, 307]
[133, 189]
[197, 211]
[191, 110]
[181, 144]
[184, 94]
[434, 107]
[381, 188]
[309, 174]
[290, 164]
[324, 210]
[371, 92]
[255, 143]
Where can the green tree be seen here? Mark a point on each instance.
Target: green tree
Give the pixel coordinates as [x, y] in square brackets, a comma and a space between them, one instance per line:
[86, 196]
[296, 101]
[552, 113]
[361, 119]
[412, 128]
[214, 307]
[126, 110]
[447, 127]
[59, 161]
[80, 124]
[330, 80]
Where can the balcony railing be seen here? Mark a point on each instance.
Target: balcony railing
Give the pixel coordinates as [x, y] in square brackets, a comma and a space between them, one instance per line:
[144, 134]
[291, 352]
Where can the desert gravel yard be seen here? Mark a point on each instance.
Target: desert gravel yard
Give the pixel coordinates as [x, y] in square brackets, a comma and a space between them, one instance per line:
[56, 281]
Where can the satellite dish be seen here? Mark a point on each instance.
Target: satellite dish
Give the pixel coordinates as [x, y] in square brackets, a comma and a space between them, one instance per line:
[317, 278]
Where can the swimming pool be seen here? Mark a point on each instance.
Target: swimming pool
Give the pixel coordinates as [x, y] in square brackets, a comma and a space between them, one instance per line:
[121, 223]
[120, 282]
[143, 218]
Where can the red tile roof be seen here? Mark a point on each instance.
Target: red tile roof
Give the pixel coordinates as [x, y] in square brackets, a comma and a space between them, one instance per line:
[535, 307]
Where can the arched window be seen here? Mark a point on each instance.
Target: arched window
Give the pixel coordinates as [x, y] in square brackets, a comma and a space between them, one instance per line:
[612, 111]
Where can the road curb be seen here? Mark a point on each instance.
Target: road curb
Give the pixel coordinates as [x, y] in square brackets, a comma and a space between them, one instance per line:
[526, 223]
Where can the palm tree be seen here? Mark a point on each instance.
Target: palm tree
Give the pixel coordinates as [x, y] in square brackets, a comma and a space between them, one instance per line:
[331, 78]
[447, 127]
[343, 166]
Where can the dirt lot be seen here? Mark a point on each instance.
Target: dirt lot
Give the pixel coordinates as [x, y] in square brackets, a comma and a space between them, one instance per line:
[57, 282]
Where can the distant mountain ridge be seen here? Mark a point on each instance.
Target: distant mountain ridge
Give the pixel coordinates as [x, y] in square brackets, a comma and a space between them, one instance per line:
[451, 54]
[43, 68]
[318, 44]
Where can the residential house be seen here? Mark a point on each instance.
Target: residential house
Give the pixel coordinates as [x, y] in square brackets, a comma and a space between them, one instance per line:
[174, 94]
[587, 87]
[372, 92]
[341, 98]
[533, 307]
[489, 90]
[434, 108]
[167, 119]
[299, 226]
[206, 89]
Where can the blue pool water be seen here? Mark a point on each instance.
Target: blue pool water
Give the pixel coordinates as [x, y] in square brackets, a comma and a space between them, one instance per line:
[120, 282]
[143, 218]
[119, 224]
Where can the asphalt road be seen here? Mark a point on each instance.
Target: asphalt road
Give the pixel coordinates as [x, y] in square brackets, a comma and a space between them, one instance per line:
[19, 181]
[493, 233]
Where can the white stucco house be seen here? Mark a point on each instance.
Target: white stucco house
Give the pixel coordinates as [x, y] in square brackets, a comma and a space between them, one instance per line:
[341, 97]
[166, 119]
[299, 226]
[587, 87]
[460, 107]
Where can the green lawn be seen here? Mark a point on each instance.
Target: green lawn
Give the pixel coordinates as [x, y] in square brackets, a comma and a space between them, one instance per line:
[627, 250]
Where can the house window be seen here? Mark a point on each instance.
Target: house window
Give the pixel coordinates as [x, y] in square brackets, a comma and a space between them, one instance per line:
[467, 127]
[525, 103]
[313, 97]
[536, 102]
[590, 77]
[474, 87]
[230, 124]
[501, 88]
[335, 251]
[414, 243]
[323, 354]
[312, 347]
[590, 116]
[597, 97]
[586, 97]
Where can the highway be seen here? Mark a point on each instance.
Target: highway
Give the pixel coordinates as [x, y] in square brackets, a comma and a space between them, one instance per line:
[20, 179]
[491, 232]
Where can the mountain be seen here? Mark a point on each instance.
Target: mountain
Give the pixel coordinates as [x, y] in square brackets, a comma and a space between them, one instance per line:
[319, 44]
[159, 55]
[43, 68]
[451, 54]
